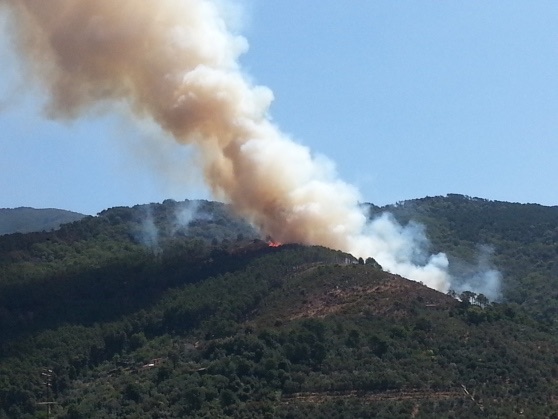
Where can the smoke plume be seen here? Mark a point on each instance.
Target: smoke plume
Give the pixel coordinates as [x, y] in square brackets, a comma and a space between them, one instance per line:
[149, 234]
[481, 278]
[175, 62]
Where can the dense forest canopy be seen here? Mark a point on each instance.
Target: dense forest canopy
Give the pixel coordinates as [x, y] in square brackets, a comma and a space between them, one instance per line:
[180, 309]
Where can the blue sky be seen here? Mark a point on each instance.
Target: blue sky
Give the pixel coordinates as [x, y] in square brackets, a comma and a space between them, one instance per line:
[408, 98]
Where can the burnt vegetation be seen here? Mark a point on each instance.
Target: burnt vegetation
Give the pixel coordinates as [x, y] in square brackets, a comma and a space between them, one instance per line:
[110, 317]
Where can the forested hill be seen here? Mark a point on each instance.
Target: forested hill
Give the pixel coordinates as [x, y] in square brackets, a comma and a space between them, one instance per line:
[26, 220]
[179, 310]
[255, 331]
[520, 240]
[457, 219]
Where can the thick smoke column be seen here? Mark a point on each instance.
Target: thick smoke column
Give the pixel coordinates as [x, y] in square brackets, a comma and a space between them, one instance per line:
[175, 62]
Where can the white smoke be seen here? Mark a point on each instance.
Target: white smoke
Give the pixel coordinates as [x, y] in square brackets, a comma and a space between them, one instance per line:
[186, 213]
[149, 233]
[480, 278]
[176, 63]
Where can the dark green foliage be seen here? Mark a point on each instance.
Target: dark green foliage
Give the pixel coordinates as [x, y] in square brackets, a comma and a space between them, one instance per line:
[209, 323]
[520, 240]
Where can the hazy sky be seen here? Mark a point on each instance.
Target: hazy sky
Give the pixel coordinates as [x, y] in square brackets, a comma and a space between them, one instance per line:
[408, 98]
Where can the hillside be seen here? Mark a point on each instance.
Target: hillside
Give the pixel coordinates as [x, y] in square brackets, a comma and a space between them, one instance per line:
[520, 240]
[286, 332]
[26, 220]
[178, 310]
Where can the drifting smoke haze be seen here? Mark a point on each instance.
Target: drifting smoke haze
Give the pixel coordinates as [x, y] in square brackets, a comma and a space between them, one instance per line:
[175, 62]
[188, 212]
[149, 234]
[481, 278]
[185, 213]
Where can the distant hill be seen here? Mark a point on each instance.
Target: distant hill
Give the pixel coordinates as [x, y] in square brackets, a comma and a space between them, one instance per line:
[26, 220]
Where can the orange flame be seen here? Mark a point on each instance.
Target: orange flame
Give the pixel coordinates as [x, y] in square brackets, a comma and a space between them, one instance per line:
[273, 244]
